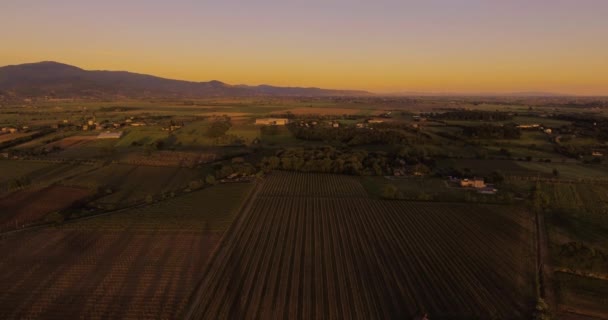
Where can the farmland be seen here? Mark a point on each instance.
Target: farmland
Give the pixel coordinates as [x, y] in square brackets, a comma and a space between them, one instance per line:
[322, 249]
[25, 207]
[128, 184]
[389, 234]
[140, 263]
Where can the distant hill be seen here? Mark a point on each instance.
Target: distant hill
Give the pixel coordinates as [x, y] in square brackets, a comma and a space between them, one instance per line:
[64, 81]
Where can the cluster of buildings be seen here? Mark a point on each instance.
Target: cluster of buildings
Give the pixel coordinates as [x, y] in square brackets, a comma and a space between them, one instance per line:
[476, 183]
[92, 124]
[535, 126]
[110, 135]
[368, 122]
[271, 121]
[6, 130]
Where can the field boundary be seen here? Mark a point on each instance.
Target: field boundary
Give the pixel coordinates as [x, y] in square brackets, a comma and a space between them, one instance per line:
[242, 211]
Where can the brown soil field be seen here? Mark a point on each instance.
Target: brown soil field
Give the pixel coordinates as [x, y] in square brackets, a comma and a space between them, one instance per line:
[25, 207]
[70, 142]
[316, 247]
[12, 136]
[89, 274]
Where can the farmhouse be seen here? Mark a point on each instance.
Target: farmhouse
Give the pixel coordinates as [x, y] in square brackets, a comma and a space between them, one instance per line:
[528, 126]
[272, 121]
[110, 135]
[375, 121]
[477, 183]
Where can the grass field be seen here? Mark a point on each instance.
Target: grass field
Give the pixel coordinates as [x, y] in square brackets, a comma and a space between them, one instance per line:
[415, 188]
[309, 248]
[141, 135]
[130, 183]
[12, 169]
[212, 209]
[136, 264]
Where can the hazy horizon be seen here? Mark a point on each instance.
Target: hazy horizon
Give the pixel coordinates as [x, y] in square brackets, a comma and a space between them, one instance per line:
[469, 47]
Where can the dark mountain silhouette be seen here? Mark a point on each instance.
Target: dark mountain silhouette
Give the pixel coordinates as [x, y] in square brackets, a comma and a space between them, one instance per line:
[64, 81]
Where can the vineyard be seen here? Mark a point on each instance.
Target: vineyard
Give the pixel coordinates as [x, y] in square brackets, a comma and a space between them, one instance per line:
[66, 274]
[314, 246]
[142, 263]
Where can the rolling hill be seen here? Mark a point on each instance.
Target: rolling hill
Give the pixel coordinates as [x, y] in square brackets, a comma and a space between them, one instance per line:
[59, 80]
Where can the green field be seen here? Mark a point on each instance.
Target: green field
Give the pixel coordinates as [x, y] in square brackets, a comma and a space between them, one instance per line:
[211, 209]
[128, 184]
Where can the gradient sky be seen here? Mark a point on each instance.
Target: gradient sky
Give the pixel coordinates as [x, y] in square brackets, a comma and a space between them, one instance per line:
[384, 46]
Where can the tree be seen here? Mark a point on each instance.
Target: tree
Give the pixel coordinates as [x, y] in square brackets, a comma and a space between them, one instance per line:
[541, 311]
[219, 127]
[540, 201]
[421, 170]
[54, 217]
[390, 191]
[210, 179]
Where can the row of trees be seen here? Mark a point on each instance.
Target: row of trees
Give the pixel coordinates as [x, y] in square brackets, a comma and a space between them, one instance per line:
[346, 161]
[487, 131]
[352, 136]
[328, 160]
[466, 115]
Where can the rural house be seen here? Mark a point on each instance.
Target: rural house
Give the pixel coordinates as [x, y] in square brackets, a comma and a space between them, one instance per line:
[110, 135]
[272, 121]
[477, 183]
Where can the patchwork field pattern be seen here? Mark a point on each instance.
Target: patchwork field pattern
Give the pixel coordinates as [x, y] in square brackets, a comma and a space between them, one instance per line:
[142, 263]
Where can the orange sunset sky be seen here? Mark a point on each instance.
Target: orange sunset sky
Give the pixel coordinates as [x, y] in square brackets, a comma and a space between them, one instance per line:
[459, 46]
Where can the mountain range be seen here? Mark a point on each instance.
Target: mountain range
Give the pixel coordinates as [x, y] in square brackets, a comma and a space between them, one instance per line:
[58, 80]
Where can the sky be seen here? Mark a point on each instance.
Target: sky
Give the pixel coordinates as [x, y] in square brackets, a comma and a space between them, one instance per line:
[449, 46]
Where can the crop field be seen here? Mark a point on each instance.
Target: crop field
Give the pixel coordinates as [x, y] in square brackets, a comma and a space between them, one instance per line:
[567, 170]
[72, 141]
[25, 207]
[324, 111]
[134, 183]
[169, 158]
[141, 263]
[87, 150]
[41, 141]
[415, 188]
[12, 169]
[12, 136]
[315, 247]
[581, 295]
[141, 135]
[19, 174]
[212, 208]
[592, 198]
